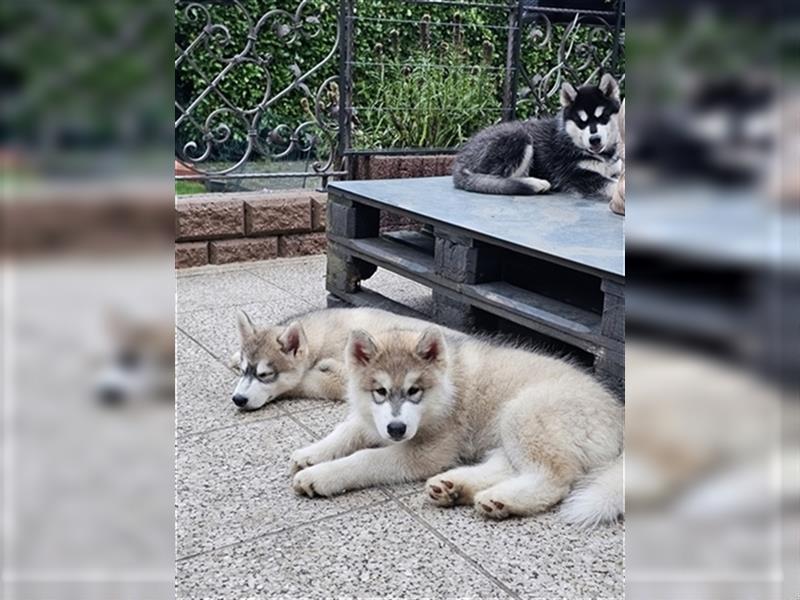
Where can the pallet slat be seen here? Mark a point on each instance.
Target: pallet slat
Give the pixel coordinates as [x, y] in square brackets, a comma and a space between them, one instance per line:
[576, 325]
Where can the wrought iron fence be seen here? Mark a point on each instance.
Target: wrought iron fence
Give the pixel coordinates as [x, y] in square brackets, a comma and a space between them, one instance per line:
[301, 120]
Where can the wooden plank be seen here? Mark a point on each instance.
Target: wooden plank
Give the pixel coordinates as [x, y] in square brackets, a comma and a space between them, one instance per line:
[613, 325]
[424, 242]
[453, 312]
[351, 219]
[344, 272]
[396, 257]
[536, 307]
[499, 298]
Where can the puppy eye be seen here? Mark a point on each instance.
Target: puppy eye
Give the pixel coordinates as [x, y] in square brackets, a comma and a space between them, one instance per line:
[265, 376]
[381, 392]
[413, 390]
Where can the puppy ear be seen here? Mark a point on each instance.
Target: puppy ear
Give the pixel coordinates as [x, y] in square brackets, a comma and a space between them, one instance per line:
[431, 345]
[235, 361]
[293, 339]
[246, 327]
[609, 86]
[568, 94]
[361, 347]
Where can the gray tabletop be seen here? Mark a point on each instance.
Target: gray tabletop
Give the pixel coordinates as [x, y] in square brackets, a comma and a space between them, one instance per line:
[707, 225]
[565, 229]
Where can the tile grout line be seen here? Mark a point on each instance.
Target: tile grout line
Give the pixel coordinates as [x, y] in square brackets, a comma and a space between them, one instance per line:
[397, 501]
[235, 267]
[202, 346]
[195, 434]
[471, 561]
[285, 414]
[285, 529]
[293, 293]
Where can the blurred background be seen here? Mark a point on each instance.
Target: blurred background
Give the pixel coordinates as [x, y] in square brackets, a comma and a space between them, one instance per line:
[87, 300]
[713, 251]
[713, 259]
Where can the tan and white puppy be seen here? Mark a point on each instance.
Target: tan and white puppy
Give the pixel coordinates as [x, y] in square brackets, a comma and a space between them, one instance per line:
[421, 403]
[302, 358]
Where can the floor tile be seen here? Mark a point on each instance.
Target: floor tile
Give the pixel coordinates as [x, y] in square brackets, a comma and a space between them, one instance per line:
[203, 390]
[223, 289]
[187, 350]
[537, 557]
[216, 329]
[234, 484]
[304, 278]
[376, 552]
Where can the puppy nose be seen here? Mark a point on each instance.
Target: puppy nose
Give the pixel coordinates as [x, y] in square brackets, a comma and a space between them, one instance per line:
[396, 430]
[594, 140]
[239, 400]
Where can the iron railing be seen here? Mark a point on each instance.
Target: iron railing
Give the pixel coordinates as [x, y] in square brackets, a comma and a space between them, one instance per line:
[227, 139]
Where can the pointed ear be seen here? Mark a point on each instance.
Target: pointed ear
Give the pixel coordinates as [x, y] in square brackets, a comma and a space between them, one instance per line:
[568, 94]
[361, 347]
[609, 86]
[246, 327]
[431, 345]
[293, 339]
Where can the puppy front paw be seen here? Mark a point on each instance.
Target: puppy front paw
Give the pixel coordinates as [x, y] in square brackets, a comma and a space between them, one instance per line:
[302, 459]
[319, 480]
[490, 506]
[442, 491]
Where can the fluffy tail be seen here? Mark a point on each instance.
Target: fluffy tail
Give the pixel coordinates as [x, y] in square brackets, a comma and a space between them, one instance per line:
[491, 184]
[598, 498]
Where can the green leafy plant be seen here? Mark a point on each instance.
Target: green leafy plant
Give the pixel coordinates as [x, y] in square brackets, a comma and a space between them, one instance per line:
[434, 101]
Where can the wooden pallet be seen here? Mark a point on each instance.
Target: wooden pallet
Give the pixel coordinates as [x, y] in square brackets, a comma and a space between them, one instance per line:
[551, 264]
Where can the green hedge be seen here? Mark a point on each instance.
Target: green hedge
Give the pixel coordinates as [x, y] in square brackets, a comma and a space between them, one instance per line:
[417, 83]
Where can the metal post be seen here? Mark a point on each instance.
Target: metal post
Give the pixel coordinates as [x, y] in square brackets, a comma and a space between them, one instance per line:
[617, 31]
[346, 50]
[512, 59]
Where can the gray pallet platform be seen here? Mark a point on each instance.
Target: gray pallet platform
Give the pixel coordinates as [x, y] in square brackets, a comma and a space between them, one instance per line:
[473, 258]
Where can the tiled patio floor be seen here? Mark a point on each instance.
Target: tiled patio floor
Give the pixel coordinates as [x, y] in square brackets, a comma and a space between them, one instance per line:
[243, 533]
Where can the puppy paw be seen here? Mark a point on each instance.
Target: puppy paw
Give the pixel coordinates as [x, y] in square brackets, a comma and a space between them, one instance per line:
[318, 480]
[302, 459]
[442, 491]
[490, 507]
[539, 186]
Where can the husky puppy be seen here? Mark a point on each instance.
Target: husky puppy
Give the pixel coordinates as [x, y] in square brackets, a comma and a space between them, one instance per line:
[302, 358]
[421, 403]
[139, 363]
[575, 151]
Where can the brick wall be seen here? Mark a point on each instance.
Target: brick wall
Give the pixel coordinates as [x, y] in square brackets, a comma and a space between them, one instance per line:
[237, 227]
[225, 228]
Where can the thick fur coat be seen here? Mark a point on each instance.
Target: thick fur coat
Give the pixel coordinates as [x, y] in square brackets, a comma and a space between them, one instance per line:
[577, 151]
[506, 430]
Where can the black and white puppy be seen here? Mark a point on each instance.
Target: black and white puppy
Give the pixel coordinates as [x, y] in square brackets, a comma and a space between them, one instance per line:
[577, 151]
